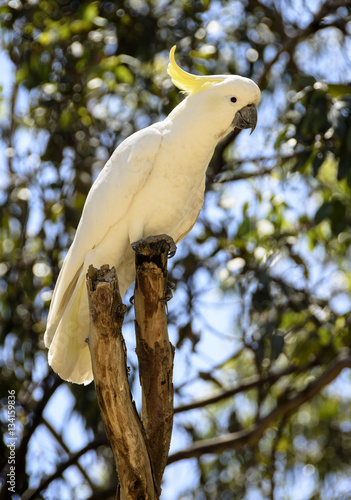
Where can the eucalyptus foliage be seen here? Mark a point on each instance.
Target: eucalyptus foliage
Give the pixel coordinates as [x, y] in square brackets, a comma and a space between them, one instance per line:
[269, 258]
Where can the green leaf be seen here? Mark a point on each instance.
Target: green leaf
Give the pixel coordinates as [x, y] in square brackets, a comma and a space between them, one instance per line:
[277, 345]
[323, 212]
[302, 161]
[244, 227]
[338, 222]
[317, 162]
[90, 12]
[80, 26]
[47, 37]
[305, 80]
[344, 167]
[338, 89]
[65, 120]
[124, 75]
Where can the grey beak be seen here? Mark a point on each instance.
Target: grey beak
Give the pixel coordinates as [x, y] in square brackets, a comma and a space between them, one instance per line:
[246, 118]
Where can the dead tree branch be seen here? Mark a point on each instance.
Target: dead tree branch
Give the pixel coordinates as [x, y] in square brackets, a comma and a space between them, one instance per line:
[154, 350]
[140, 447]
[121, 421]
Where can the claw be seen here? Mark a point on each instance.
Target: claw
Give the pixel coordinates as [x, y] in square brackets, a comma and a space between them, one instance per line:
[172, 245]
[165, 301]
[144, 246]
[169, 295]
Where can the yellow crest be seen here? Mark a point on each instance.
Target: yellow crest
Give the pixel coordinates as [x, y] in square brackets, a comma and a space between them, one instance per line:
[186, 82]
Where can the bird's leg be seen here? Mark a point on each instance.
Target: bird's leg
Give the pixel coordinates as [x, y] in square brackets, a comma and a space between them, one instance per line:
[155, 244]
[172, 246]
[169, 294]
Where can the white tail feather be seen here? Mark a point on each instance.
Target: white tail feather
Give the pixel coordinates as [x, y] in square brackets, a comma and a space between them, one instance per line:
[69, 353]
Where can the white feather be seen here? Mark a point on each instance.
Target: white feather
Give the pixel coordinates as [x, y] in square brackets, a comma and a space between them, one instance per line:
[152, 184]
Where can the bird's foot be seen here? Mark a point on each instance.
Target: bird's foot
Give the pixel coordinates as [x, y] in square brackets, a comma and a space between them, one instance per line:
[169, 293]
[155, 244]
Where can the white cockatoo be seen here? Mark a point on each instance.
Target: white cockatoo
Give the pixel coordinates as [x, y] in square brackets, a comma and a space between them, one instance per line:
[153, 184]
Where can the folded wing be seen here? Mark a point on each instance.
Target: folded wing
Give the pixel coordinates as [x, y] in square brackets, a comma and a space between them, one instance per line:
[123, 176]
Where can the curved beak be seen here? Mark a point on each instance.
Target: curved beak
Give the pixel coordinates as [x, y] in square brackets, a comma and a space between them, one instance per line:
[246, 118]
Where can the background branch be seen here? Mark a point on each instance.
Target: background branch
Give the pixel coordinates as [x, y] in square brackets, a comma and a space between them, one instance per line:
[65, 448]
[247, 384]
[286, 405]
[32, 494]
[49, 385]
[325, 9]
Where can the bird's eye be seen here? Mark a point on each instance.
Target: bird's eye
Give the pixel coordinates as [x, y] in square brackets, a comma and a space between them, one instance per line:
[233, 99]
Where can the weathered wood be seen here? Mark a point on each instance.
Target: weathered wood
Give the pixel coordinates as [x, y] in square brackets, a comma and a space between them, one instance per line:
[121, 421]
[154, 350]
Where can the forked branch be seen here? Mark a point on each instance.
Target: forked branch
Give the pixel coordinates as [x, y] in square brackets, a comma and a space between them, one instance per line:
[109, 360]
[140, 446]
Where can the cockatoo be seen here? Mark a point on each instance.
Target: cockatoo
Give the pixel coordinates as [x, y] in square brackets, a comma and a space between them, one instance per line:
[154, 183]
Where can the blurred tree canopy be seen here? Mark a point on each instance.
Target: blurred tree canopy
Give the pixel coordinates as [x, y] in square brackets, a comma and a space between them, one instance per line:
[264, 277]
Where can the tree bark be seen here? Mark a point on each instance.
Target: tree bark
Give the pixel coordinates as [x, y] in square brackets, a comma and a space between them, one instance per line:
[121, 421]
[154, 350]
[140, 447]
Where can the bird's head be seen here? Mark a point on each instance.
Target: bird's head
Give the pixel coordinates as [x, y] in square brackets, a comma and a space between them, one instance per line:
[230, 99]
